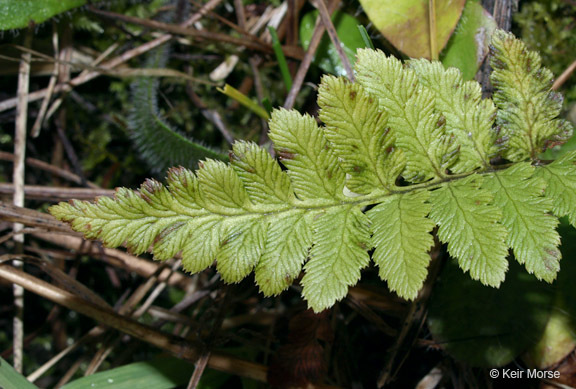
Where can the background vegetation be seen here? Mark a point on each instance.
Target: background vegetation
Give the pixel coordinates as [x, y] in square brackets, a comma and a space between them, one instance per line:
[120, 90]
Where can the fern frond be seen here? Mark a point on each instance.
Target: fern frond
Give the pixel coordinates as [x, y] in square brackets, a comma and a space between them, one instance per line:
[528, 108]
[403, 151]
[160, 145]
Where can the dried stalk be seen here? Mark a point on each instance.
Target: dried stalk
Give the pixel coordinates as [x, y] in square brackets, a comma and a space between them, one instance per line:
[319, 29]
[327, 21]
[38, 192]
[18, 195]
[123, 58]
[181, 347]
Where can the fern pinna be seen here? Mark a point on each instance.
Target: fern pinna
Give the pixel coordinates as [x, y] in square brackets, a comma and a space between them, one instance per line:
[406, 148]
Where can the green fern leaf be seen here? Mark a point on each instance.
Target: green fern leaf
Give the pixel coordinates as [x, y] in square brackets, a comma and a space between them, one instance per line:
[358, 133]
[531, 230]
[387, 79]
[262, 177]
[468, 117]
[469, 223]
[560, 176]
[528, 108]
[304, 150]
[341, 239]
[401, 152]
[286, 251]
[402, 239]
[414, 120]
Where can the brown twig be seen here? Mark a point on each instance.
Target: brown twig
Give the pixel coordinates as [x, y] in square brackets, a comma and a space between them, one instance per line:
[18, 195]
[51, 84]
[55, 194]
[117, 258]
[124, 57]
[564, 76]
[207, 351]
[327, 21]
[93, 334]
[32, 218]
[181, 347]
[129, 308]
[319, 29]
[254, 63]
[251, 41]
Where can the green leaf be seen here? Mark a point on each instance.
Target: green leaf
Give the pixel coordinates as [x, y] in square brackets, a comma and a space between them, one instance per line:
[11, 379]
[234, 93]
[286, 251]
[241, 251]
[404, 150]
[263, 178]
[24, 13]
[341, 239]
[528, 108]
[160, 373]
[416, 124]
[531, 230]
[282, 64]
[406, 24]
[468, 117]
[326, 56]
[304, 150]
[420, 135]
[468, 45]
[402, 239]
[561, 185]
[358, 132]
[385, 78]
[469, 223]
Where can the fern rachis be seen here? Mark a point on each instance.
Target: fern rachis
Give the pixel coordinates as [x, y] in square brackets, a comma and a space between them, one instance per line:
[421, 123]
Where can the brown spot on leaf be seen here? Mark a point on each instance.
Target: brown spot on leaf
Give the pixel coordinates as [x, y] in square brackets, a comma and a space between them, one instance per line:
[285, 154]
[528, 64]
[441, 121]
[353, 95]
